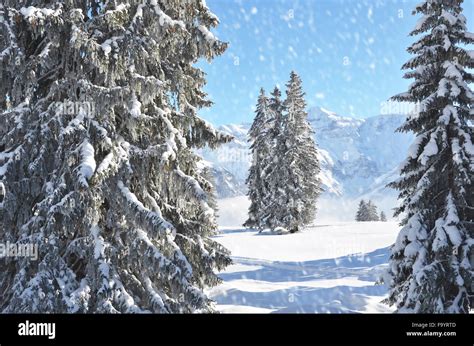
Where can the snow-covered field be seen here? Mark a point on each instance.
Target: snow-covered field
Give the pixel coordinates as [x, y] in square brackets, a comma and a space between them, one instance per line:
[233, 211]
[327, 268]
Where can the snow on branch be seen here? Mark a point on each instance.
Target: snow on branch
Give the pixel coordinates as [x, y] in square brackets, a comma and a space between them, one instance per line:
[6, 158]
[110, 43]
[410, 241]
[422, 185]
[208, 36]
[171, 147]
[122, 298]
[420, 24]
[118, 9]
[451, 225]
[33, 13]
[194, 190]
[449, 112]
[79, 297]
[430, 149]
[415, 146]
[74, 125]
[208, 134]
[166, 270]
[144, 216]
[164, 19]
[156, 300]
[448, 87]
[111, 289]
[135, 107]
[88, 164]
[449, 17]
[106, 164]
[13, 41]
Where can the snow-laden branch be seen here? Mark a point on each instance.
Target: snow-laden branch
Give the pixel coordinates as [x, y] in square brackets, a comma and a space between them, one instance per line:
[144, 216]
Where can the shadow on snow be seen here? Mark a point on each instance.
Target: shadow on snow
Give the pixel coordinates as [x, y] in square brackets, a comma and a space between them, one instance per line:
[338, 297]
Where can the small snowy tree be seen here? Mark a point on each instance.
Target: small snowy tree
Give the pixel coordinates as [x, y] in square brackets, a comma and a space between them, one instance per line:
[261, 149]
[362, 214]
[383, 217]
[429, 265]
[113, 198]
[367, 211]
[372, 213]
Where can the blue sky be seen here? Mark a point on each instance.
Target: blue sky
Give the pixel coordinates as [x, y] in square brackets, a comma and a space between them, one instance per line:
[348, 53]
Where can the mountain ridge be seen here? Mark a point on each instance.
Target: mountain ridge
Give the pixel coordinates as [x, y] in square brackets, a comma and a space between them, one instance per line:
[356, 154]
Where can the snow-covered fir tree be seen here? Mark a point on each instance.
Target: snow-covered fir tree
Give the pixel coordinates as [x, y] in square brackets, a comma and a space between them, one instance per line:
[383, 217]
[99, 103]
[300, 160]
[430, 271]
[274, 172]
[367, 211]
[261, 149]
[289, 184]
[372, 213]
[361, 214]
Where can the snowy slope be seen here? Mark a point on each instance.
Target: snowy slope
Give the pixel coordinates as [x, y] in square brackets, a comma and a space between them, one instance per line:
[324, 269]
[358, 156]
[226, 184]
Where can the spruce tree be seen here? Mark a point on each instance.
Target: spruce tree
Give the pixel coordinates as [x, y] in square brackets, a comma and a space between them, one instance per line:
[274, 171]
[367, 211]
[300, 159]
[290, 175]
[111, 195]
[383, 217]
[372, 213]
[361, 214]
[261, 149]
[429, 264]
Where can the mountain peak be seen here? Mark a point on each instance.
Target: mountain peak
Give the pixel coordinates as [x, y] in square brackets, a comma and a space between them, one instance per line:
[354, 153]
[321, 115]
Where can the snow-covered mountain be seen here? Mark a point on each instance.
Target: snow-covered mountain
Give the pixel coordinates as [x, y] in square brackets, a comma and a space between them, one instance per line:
[358, 156]
[366, 152]
[227, 185]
